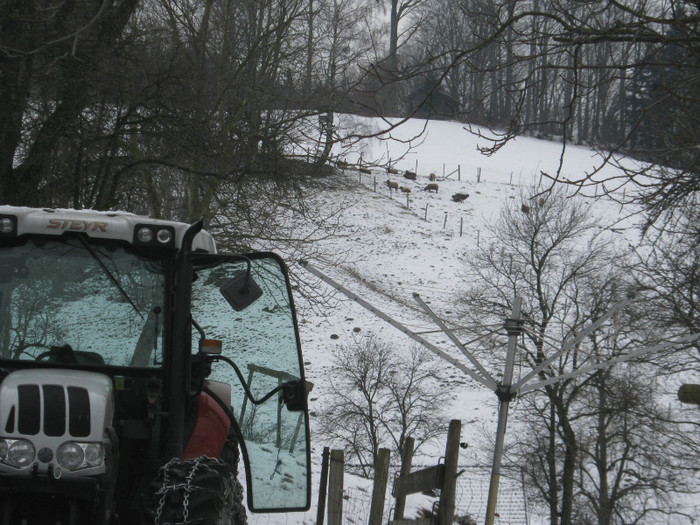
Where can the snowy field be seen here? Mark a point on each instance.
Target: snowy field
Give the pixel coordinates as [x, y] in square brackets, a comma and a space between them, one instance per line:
[394, 244]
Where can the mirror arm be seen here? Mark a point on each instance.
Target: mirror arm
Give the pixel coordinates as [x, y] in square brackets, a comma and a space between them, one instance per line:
[249, 270]
[198, 328]
[285, 388]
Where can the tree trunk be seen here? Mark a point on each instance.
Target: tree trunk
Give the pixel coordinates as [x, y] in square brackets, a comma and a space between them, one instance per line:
[309, 48]
[392, 62]
[568, 439]
[604, 509]
[22, 185]
[552, 468]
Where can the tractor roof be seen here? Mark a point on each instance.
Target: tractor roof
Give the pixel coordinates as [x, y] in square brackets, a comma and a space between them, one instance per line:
[118, 225]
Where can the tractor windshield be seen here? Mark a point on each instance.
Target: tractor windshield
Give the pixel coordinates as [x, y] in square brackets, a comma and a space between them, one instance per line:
[74, 301]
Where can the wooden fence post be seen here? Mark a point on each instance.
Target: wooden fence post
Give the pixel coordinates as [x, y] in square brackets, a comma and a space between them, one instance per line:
[335, 488]
[322, 490]
[406, 463]
[446, 509]
[440, 476]
[381, 476]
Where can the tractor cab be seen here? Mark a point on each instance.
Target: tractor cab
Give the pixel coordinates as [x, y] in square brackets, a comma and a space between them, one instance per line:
[131, 353]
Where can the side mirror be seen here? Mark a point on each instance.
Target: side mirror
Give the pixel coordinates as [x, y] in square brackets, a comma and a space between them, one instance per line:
[294, 395]
[241, 291]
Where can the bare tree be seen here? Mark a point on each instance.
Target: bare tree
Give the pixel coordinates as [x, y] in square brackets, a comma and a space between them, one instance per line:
[344, 40]
[554, 255]
[148, 106]
[51, 55]
[668, 271]
[380, 396]
[631, 450]
[629, 444]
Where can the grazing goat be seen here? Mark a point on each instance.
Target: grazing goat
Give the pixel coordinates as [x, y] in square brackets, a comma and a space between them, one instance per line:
[410, 175]
[432, 176]
[393, 171]
[459, 197]
[431, 187]
[392, 185]
[404, 189]
[525, 208]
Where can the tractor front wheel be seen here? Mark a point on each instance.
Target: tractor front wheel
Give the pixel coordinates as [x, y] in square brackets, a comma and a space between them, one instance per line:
[202, 491]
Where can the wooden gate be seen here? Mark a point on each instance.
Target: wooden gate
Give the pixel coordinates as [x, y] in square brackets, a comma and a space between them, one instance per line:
[442, 476]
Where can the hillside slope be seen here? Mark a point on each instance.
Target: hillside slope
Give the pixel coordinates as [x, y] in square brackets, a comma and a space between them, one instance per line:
[388, 245]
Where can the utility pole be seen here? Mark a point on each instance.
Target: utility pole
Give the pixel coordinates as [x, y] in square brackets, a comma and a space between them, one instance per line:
[506, 394]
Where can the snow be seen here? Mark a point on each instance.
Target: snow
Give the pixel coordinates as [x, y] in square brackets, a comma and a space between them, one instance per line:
[441, 147]
[394, 244]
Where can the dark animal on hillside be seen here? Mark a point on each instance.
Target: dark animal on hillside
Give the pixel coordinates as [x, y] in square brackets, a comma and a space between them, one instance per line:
[392, 185]
[431, 187]
[459, 197]
[410, 175]
[525, 208]
[432, 176]
[404, 189]
[393, 171]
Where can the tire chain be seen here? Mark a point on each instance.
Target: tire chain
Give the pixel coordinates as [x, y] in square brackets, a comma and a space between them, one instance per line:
[233, 491]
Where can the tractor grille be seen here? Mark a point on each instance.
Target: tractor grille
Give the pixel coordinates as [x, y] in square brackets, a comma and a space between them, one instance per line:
[46, 404]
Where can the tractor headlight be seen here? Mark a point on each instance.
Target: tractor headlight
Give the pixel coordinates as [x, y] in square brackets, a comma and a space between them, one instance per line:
[74, 455]
[94, 454]
[70, 456]
[154, 235]
[144, 235]
[164, 236]
[8, 225]
[17, 453]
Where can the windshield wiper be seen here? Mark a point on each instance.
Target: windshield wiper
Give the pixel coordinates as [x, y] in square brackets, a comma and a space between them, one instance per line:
[109, 273]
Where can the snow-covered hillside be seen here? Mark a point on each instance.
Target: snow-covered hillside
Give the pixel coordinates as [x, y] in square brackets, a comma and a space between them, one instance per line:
[391, 244]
